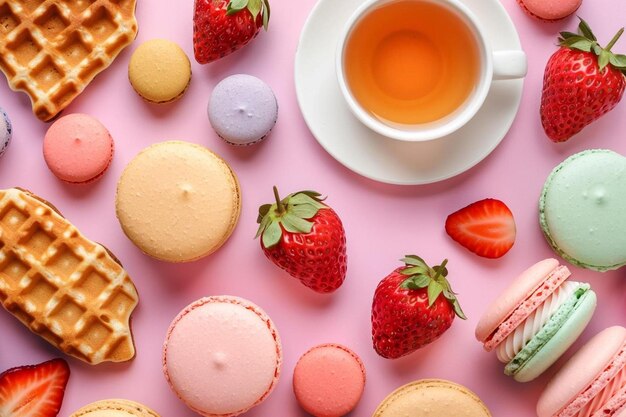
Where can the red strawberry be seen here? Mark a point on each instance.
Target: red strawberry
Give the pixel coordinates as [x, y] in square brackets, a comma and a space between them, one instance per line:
[33, 391]
[221, 27]
[582, 82]
[485, 227]
[412, 307]
[305, 237]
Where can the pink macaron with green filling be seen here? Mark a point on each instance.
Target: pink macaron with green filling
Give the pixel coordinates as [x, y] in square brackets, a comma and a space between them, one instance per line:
[222, 356]
[536, 319]
[592, 383]
[78, 148]
[328, 380]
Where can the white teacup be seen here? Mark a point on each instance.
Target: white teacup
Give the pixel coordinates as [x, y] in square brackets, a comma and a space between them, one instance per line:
[493, 65]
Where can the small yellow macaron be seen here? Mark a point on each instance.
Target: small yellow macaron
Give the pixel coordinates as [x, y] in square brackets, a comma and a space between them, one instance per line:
[159, 71]
[115, 408]
[432, 398]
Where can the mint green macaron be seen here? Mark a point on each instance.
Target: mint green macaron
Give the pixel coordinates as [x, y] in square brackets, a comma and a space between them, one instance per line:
[582, 209]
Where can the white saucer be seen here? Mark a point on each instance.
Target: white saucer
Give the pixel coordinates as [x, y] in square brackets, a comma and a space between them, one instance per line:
[380, 158]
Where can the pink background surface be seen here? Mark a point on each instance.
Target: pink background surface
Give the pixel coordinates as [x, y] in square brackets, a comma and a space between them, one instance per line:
[382, 222]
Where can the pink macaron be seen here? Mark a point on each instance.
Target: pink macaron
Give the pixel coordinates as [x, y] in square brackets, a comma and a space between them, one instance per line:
[222, 356]
[328, 380]
[592, 383]
[78, 148]
[550, 10]
[536, 319]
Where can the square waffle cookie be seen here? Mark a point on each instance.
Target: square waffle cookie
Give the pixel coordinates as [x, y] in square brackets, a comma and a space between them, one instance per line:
[52, 49]
[62, 286]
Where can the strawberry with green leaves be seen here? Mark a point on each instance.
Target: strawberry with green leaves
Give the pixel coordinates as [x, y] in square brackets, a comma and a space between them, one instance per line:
[582, 82]
[306, 238]
[221, 27]
[412, 307]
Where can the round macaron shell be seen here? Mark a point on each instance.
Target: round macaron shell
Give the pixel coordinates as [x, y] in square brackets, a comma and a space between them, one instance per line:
[78, 148]
[115, 408]
[159, 71]
[242, 109]
[567, 333]
[581, 371]
[5, 131]
[582, 209]
[328, 381]
[546, 272]
[432, 398]
[178, 201]
[222, 356]
[550, 10]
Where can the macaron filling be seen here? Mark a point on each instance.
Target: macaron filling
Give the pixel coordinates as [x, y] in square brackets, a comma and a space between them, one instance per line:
[549, 330]
[538, 296]
[604, 391]
[515, 342]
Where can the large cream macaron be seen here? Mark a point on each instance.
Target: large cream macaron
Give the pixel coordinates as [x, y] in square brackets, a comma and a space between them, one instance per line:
[432, 398]
[178, 201]
[159, 71]
[115, 408]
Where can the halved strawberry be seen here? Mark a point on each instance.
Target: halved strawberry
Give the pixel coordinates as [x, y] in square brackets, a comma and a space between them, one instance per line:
[34, 390]
[485, 227]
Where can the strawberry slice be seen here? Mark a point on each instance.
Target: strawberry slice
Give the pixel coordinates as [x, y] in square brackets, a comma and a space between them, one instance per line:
[34, 390]
[485, 227]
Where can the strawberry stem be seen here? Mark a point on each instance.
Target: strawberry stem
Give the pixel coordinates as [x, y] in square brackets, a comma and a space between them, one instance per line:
[280, 208]
[614, 40]
[441, 268]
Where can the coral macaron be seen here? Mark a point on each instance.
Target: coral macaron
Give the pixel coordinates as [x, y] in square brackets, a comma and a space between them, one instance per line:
[550, 10]
[222, 356]
[328, 380]
[533, 322]
[592, 383]
[78, 148]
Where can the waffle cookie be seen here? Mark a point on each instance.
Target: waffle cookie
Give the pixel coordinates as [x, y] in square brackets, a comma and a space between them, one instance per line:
[52, 49]
[62, 286]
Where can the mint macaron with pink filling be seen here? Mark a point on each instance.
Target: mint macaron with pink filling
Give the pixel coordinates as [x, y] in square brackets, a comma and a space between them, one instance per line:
[592, 383]
[78, 149]
[536, 319]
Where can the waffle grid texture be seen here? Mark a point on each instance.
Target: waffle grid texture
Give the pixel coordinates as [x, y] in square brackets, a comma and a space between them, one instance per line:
[52, 49]
[62, 286]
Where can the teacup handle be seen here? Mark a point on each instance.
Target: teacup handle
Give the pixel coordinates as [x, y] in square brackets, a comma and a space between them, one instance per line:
[509, 65]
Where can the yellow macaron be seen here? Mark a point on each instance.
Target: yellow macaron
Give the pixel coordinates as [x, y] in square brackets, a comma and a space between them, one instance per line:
[115, 408]
[178, 201]
[159, 71]
[432, 398]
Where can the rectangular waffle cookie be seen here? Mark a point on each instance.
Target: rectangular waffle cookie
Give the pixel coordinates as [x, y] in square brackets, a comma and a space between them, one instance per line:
[62, 286]
[52, 49]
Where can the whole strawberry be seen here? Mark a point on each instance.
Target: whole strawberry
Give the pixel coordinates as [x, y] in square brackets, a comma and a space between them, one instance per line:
[582, 82]
[412, 307]
[221, 27]
[306, 238]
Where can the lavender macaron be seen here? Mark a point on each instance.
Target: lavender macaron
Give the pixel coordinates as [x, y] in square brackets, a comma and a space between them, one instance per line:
[5, 131]
[242, 109]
